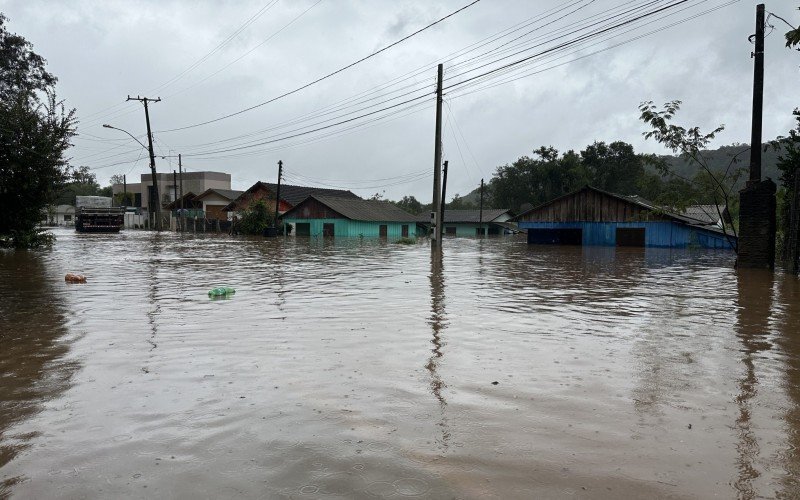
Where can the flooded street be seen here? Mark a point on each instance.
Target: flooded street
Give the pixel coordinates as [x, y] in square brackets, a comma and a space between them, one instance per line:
[361, 369]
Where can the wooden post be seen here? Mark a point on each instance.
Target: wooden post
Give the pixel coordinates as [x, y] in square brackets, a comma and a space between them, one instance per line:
[444, 198]
[437, 162]
[480, 213]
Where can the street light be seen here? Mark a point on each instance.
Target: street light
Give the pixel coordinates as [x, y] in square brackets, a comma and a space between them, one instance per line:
[153, 174]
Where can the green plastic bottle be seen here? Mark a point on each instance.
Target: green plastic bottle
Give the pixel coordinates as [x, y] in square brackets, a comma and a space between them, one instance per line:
[221, 291]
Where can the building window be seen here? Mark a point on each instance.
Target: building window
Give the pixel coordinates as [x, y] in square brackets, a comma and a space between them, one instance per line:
[450, 231]
[479, 231]
[67, 217]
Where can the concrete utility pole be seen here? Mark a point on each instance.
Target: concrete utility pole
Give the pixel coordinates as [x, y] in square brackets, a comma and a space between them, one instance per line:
[756, 246]
[436, 237]
[278, 193]
[444, 198]
[152, 155]
[758, 97]
[480, 213]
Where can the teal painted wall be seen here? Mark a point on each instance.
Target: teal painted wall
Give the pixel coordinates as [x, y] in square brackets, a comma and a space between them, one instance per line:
[354, 228]
[464, 229]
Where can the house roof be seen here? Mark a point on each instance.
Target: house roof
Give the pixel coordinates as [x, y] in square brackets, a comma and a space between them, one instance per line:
[289, 193]
[705, 213]
[635, 200]
[467, 216]
[188, 201]
[359, 209]
[230, 194]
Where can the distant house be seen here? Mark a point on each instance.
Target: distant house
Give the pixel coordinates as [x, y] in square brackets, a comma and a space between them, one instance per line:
[290, 196]
[189, 204]
[331, 216]
[590, 216]
[213, 202]
[59, 215]
[472, 222]
[169, 186]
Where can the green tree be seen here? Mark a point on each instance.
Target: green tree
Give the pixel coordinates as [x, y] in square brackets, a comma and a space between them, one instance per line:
[255, 219]
[613, 167]
[35, 133]
[410, 204]
[789, 166]
[82, 182]
[459, 203]
[535, 180]
[717, 185]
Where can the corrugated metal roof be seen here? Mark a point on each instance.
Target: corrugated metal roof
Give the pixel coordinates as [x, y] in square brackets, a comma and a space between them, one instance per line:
[704, 213]
[230, 194]
[466, 216]
[355, 208]
[289, 193]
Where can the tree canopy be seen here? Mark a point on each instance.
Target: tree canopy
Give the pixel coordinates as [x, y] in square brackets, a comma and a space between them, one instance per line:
[35, 130]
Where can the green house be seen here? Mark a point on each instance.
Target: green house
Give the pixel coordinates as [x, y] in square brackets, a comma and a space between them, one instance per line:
[331, 216]
[491, 222]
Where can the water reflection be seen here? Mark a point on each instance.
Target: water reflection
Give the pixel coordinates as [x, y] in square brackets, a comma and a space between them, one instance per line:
[788, 319]
[33, 365]
[754, 308]
[438, 323]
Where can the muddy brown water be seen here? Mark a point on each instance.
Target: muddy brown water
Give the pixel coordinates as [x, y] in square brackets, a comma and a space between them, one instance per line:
[359, 369]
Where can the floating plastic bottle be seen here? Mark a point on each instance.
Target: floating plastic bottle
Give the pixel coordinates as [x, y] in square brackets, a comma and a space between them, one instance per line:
[221, 291]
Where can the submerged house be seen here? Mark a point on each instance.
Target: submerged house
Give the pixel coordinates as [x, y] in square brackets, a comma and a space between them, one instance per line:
[214, 200]
[473, 222]
[332, 216]
[290, 196]
[591, 216]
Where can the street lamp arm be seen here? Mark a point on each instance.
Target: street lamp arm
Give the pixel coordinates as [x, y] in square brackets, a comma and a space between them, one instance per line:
[106, 125]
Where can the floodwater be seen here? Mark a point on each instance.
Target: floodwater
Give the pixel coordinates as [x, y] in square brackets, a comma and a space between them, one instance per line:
[361, 369]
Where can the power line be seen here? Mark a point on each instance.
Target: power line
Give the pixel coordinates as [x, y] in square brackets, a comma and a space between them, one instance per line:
[329, 75]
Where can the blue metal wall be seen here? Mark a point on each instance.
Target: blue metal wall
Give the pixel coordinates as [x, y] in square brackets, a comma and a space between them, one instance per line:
[665, 234]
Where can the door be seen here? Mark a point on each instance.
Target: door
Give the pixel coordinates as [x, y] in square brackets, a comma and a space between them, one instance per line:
[630, 237]
[328, 230]
[302, 229]
[479, 231]
[215, 212]
[450, 231]
[383, 230]
[561, 236]
[404, 230]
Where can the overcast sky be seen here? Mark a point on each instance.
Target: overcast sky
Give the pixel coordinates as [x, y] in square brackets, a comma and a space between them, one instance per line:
[103, 50]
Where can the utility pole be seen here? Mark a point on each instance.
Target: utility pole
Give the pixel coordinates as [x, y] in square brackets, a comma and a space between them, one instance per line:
[757, 204]
[175, 190]
[480, 213]
[125, 190]
[444, 198]
[758, 97]
[278, 193]
[182, 217]
[437, 164]
[152, 155]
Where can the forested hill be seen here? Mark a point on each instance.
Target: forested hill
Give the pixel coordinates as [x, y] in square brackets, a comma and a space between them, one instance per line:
[720, 158]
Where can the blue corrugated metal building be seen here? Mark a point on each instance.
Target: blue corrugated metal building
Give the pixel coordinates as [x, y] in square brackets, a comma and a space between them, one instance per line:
[591, 216]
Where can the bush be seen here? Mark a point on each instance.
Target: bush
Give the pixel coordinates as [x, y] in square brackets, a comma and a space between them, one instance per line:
[255, 219]
[406, 241]
[29, 238]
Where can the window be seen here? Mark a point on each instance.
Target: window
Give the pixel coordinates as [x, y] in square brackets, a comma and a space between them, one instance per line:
[67, 217]
[630, 237]
[303, 229]
[450, 231]
[479, 231]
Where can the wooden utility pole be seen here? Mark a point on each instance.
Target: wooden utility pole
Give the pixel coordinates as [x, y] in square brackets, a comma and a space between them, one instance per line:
[175, 190]
[444, 198]
[758, 97]
[437, 164]
[182, 217]
[152, 155]
[125, 190]
[278, 194]
[480, 213]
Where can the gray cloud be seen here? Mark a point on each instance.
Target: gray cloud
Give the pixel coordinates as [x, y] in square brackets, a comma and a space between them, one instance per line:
[102, 51]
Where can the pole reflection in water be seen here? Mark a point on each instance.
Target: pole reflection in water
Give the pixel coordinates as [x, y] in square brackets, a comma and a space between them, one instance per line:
[754, 308]
[438, 323]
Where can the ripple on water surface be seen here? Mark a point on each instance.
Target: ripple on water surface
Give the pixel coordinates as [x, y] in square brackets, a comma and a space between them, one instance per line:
[357, 368]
